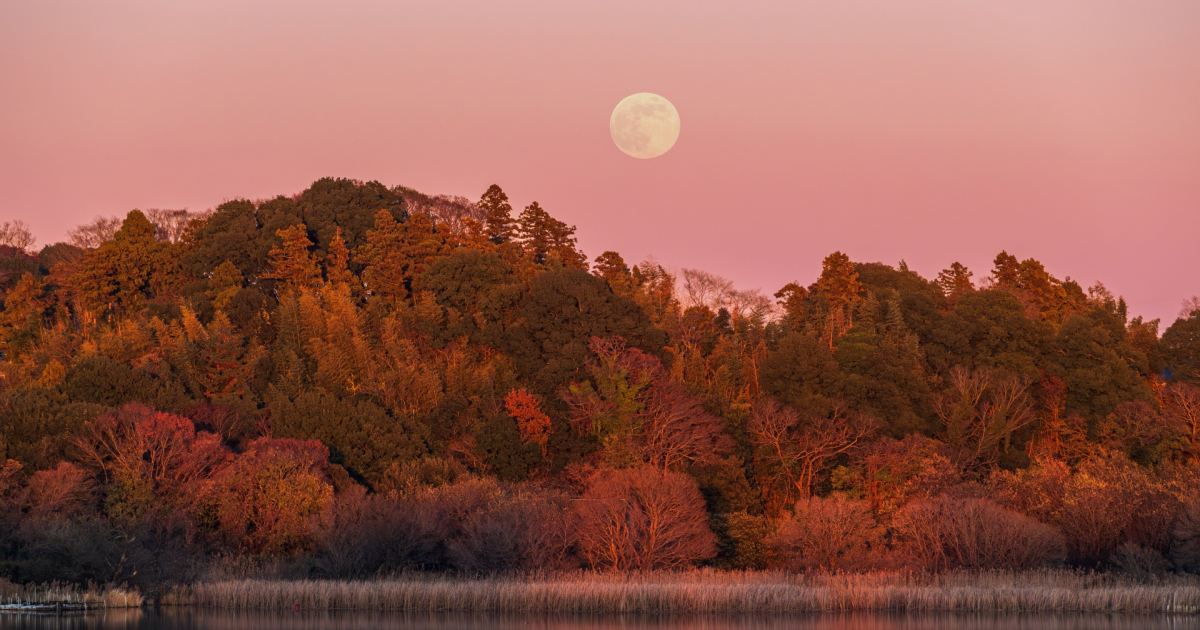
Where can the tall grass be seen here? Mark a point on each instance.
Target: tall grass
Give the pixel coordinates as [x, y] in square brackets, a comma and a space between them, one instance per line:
[91, 596]
[709, 592]
[212, 619]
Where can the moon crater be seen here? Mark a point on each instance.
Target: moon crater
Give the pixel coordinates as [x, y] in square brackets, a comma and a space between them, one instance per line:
[644, 125]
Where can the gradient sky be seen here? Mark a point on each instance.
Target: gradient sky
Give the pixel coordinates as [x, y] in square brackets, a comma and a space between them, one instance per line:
[924, 130]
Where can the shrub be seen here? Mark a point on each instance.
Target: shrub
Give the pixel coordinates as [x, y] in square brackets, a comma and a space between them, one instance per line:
[741, 540]
[826, 533]
[77, 551]
[351, 533]
[1105, 503]
[1186, 548]
[65, 491]
[473, 525]
[263, 500]
[514, 527]
[1140, 563]
[944, 533]
[643, 519]
[409, 479]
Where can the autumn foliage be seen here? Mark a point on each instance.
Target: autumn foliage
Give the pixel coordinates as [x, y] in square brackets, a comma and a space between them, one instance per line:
[360, 379]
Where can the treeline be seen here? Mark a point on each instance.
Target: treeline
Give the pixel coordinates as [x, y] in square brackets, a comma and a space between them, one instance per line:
[360, 379]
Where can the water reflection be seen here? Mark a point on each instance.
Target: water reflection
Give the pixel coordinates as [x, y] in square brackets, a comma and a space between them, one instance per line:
[192, 619]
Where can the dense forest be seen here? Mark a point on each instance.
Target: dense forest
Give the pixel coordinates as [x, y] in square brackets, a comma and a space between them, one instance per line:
[357, 380]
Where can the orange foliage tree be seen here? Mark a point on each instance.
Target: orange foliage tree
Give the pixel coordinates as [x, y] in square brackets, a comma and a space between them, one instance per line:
[265, 498]
[532, 424]
[292, 264]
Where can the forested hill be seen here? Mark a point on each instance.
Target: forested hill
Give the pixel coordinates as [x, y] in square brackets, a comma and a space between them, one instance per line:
[355, 339]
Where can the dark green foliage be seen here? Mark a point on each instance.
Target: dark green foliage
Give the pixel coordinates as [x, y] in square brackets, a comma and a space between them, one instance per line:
[59, 253]
[360, 435]
[1143, 336]
[235, 233]
[884, 371]
[884, 280]
[1181, 349]
[37, 425]
[802, 373]
[741, 540]
[100, 380]
[77, 552]
[562, 311]
[246, 311]
[15, 263]
[242, 233]
[332, 203]
[1092, 355]
[990, 328]
[498, 443]
[888, 381]
[725, 487]
[478, 285]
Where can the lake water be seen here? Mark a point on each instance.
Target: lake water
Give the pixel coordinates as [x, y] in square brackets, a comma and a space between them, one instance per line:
[192, 619]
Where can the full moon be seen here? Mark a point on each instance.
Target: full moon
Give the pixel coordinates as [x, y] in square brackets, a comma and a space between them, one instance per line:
[644, 125]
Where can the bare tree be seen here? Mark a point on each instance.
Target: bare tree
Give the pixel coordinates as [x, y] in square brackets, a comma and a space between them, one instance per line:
[16, 234]
[450, 210]
[702, 288]
[92, 235]
[63, 491]
[827, 534]
[1189, 306]
[799, 450]
[981, 411]
[751, 304]
[944, 533]
[1183, 410]
[1186, 548]
[643, 519]
[676, 430]
[172, 225]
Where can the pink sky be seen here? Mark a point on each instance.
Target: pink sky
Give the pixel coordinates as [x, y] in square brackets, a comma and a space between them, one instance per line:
[928, 130]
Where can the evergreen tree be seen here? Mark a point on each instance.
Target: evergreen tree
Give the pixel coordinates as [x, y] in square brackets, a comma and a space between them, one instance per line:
[1181, 349]
[955, 282]
[613, 269]
[543, 237]
[792, 298]
[129, 269]
[292, 264]
[224, 284]
[1006, 271]
[497, 220]
[337, 262]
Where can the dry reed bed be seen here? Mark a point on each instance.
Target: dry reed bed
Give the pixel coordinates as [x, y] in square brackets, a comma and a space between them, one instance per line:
[707, 592]
[91, 596]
